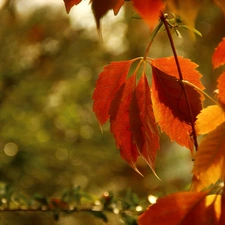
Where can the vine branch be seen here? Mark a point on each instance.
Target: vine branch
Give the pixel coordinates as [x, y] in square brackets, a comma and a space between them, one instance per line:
[162, 17]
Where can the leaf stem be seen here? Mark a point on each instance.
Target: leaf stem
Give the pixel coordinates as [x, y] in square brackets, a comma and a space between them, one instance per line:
[153, 34]
[162, 17]
[199, 90]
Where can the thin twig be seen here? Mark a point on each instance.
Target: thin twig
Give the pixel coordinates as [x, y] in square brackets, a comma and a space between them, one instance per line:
[181, 78]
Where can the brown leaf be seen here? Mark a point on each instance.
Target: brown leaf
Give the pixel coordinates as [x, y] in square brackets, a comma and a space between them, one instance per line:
[101, 7]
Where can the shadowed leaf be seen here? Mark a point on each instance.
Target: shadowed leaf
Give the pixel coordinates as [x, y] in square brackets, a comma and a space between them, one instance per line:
[184, 208]
[169, 102]
[120, 122]
[143, 126]
[101, 7]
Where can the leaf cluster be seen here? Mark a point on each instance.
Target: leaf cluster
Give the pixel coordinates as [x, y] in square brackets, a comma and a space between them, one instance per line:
[171, 99]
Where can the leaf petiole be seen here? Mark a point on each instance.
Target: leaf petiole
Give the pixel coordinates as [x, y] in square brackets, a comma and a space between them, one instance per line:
[199, 90]
[153, 34]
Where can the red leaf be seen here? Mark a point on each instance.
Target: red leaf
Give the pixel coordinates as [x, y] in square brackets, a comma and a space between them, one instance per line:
[218, 58]
[120, 121]
[143, 126]
[169, 102]
[184, 208]
[70, 3]
[101, 7]
[108, 83]
[149, 10]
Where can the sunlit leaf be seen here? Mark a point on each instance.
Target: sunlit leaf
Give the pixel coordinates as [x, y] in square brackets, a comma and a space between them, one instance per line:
[149, 10]
[101, 7]
[209, 164]
[209, 118]
[143, 126]
[218, 58]
[184, 208]
[169, 102]
[70, 3]
[108, 83]
[120, 121]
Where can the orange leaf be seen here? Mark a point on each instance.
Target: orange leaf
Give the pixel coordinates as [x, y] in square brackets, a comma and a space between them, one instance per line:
[101, 7]
[143, 126]
[184, 208]
[108, 83]
[218, 58]
[209, 164]
[120, 122]
[209, 118]
[149, 10]
[221, 87]
[70, 3]
[169, 103]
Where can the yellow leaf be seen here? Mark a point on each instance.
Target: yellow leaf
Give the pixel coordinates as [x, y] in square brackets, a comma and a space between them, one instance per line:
[209, 164]
[209, 118]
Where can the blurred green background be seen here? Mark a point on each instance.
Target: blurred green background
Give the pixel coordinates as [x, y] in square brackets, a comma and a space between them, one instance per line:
[50, 140]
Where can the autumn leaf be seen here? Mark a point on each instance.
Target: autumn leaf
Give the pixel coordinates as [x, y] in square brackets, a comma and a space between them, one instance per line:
[187, 10]
[183, 208]
[209, 118]
[70, 3]
[143, 126]
[221, 88]
[169, 102]
[120, 122]
[108, 83]
[149, 10]
[209, 164]
[101, 7]
[218, 57]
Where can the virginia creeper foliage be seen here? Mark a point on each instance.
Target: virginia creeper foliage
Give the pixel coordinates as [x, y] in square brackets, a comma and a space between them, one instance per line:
[170, 99]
